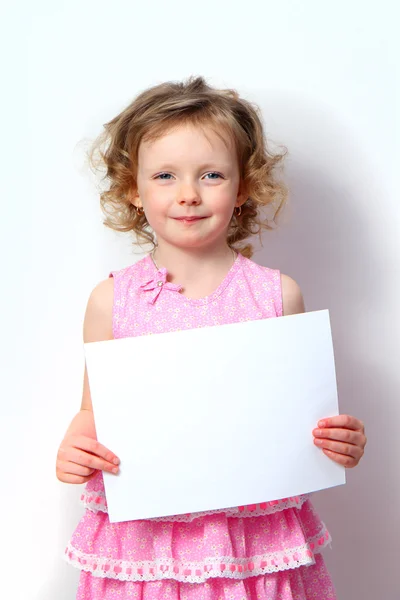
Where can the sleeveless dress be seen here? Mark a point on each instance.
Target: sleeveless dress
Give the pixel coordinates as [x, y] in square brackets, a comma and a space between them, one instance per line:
[268, 551]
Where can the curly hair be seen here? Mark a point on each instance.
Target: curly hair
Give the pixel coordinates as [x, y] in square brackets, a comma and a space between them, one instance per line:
[163, 107]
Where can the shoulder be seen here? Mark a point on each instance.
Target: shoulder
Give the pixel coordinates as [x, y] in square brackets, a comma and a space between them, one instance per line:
[288, 289]
[103, 293]
[292, 297]
[132, 273]
[98, 316]
[259, 271]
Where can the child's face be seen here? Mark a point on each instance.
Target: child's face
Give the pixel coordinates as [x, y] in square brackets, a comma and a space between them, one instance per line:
[186, 174]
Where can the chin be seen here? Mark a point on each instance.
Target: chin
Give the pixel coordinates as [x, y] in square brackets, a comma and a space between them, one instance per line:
[193, 241]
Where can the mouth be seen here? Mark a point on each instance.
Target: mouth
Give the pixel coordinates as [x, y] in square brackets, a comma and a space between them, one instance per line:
[189, 219]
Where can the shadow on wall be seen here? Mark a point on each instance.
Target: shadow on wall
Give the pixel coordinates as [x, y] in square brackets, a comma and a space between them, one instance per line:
[329, 244]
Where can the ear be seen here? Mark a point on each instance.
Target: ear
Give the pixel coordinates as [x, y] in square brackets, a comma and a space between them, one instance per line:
[134, 198]
[242, 196]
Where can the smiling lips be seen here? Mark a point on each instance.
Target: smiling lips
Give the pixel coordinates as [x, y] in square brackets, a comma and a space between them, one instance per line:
[189, 219]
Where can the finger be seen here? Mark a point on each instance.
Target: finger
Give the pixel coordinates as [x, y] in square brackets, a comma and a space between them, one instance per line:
[69, 478]
[345, 421]
[340, 447]
[85, 459]
[342, 435]
[94, 447]
[341, 459]
[72, 468]
[90, 446]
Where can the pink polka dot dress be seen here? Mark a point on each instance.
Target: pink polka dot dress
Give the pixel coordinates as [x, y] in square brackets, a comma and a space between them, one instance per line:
[268, 551]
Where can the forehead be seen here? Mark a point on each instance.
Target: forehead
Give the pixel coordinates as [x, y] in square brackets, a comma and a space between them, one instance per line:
[188, 142]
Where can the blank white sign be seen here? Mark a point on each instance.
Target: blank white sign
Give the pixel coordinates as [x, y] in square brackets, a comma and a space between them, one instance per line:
[215, 417]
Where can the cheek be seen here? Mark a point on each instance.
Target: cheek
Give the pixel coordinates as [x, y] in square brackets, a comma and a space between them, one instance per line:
[224, 202]
[154, 213]
[155, 200]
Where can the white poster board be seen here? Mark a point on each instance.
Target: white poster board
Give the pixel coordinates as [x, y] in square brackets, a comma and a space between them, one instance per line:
[214, 417]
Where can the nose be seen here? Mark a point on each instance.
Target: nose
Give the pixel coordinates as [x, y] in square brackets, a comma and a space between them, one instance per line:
[188, 195]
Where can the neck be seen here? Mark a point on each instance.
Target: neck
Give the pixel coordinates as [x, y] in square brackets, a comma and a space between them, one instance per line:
[199, 271]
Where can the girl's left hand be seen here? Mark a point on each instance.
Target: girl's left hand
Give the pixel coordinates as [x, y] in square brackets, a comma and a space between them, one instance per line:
[342, 438]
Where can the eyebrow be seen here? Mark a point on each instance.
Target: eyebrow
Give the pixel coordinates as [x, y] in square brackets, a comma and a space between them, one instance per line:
[203, 167]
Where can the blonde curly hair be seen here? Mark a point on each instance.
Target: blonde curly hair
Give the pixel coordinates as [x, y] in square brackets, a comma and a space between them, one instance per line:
[163, 107]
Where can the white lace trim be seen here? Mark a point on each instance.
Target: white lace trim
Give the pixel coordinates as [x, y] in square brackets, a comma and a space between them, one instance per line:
[199, 572]
[96, 502]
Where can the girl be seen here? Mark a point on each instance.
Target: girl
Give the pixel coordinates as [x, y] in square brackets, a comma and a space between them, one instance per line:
[188, 170]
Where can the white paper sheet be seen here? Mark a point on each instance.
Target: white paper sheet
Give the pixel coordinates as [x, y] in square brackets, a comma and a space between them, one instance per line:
[215, 417]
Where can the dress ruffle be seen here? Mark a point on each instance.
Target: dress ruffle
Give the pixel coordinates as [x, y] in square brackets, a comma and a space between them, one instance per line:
[208, 547]
[93, 497]
[96, 501]
[298, 584]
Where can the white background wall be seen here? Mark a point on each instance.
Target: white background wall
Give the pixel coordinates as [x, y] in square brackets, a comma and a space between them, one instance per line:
[326, 78]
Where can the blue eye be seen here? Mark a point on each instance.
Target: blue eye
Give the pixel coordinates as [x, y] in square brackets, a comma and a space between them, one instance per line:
[163, 176]
[213, 173]
[167, 176]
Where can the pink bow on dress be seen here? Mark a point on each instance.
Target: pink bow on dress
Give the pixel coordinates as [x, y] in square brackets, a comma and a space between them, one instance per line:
[157, 284]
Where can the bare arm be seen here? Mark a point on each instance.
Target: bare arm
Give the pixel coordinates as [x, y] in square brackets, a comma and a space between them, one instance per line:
[80, 454]
[292, 298]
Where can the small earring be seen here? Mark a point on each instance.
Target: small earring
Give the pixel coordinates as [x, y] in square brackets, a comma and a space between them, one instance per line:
[238, 211]
[139, 210]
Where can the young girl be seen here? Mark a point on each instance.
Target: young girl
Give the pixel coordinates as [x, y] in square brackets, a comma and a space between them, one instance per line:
[188, 170]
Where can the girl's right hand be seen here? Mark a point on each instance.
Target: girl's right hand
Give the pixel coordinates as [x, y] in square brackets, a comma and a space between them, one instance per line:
[80, 457]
